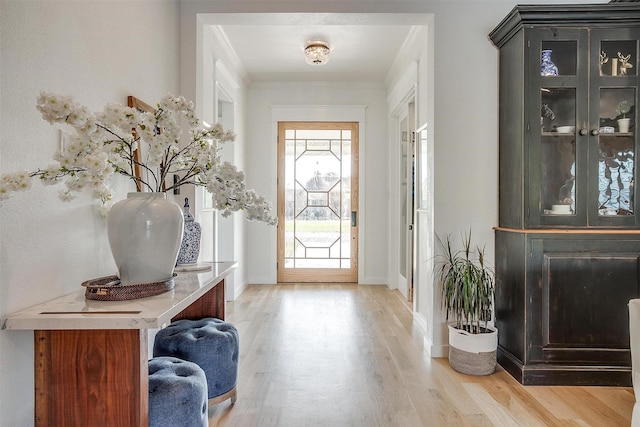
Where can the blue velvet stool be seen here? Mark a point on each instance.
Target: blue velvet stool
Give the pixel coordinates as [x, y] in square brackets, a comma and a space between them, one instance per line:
[210, 343]
[177, 393]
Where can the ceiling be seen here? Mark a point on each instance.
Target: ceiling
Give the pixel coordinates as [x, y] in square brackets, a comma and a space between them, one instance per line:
[275, 52]
[270, 46]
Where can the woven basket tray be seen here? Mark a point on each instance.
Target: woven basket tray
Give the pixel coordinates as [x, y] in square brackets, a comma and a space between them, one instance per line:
[109, 288]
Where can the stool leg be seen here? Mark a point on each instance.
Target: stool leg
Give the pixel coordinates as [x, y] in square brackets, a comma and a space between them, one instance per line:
[232, 394]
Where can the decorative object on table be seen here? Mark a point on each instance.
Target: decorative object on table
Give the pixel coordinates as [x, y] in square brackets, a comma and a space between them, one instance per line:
[197, 267]
[466, 283]
[624, 63]
[210, 343]
[190, 247]
[110, 288]
[547, 67]
[123, 140]
[145, 231]
[623, 122]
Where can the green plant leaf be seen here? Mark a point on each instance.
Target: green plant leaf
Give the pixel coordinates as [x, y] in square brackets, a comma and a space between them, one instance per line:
[467, 284]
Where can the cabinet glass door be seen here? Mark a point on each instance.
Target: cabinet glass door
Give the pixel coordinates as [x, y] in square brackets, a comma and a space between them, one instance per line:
[556, 152]
[614, 95]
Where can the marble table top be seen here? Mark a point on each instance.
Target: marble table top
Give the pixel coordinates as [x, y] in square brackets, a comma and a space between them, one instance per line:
[74, 311]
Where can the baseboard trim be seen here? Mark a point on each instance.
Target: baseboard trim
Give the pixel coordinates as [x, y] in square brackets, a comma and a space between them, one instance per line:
[420, 320]
[435, 351]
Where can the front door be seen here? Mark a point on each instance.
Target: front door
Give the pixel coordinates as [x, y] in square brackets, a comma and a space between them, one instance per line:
[317, 202]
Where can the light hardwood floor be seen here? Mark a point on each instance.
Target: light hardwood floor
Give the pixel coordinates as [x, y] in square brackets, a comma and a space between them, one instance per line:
[349, 355]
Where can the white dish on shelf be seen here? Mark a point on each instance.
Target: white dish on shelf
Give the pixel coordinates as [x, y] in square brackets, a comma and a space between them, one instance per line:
[561, 209]
[180, 268]
[566, 129]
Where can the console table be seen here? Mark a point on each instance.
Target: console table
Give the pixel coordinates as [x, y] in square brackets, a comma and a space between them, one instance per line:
[90, 357]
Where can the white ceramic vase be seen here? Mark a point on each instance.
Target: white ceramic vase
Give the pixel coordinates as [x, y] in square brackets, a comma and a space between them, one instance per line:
[145, 232]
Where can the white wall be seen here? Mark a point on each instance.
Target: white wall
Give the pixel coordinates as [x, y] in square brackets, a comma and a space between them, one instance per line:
[216, 77]
[262, 164]
[98, 52]
[103, 51]
[259, 250]
[458, 101]
[465, 130]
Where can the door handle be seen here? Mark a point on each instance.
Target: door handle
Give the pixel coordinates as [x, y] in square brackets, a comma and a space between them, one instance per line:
[354, 218]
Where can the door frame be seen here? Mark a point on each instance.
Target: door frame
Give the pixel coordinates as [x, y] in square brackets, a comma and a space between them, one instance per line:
[399, 109]
[309, 275]
[330, 113]
[407, 137]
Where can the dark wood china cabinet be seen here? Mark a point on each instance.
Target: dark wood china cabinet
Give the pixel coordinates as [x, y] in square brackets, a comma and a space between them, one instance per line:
[568, 241]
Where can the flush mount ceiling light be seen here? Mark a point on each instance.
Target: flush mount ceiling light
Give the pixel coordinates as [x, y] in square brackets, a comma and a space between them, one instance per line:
[316, 53]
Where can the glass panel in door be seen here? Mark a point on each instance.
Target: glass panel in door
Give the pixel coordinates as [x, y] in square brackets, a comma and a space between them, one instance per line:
[616, 151]
[558, 151]
[317, 204]
[558, 58]
[556, 181]
[612, 127]
[618, 58]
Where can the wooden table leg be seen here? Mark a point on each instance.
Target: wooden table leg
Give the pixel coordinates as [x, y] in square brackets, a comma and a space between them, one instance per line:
[91, 377]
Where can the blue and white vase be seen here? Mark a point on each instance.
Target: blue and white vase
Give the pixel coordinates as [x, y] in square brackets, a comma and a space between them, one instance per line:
[547, 67]
[190, 247]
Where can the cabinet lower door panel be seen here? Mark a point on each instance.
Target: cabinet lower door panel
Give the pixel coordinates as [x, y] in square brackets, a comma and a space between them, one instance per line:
[563, 317]
[583, 299]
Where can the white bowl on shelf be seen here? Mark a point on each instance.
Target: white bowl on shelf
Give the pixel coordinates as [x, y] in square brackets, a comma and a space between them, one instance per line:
[561, 209]
[566, 129]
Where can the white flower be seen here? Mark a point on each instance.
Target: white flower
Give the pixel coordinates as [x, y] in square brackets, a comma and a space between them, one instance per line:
[103, 210]
[108, 143]
[66, 195]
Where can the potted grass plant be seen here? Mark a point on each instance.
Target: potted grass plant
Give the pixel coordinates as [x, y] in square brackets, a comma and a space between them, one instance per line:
[467, 286]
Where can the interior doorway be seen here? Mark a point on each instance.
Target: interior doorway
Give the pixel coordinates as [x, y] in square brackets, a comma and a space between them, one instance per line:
[406, 264]
[317, 202]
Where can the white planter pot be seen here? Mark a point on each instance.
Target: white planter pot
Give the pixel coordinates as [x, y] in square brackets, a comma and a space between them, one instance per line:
[145, 232]
[473, 354]
[623, 125]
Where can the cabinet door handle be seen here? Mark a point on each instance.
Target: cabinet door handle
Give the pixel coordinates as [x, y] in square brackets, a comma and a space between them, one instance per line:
[595, 132]
[583, 132]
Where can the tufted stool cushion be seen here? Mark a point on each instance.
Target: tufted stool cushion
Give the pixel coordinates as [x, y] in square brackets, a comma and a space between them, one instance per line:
[210, 343]
[177, 393]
